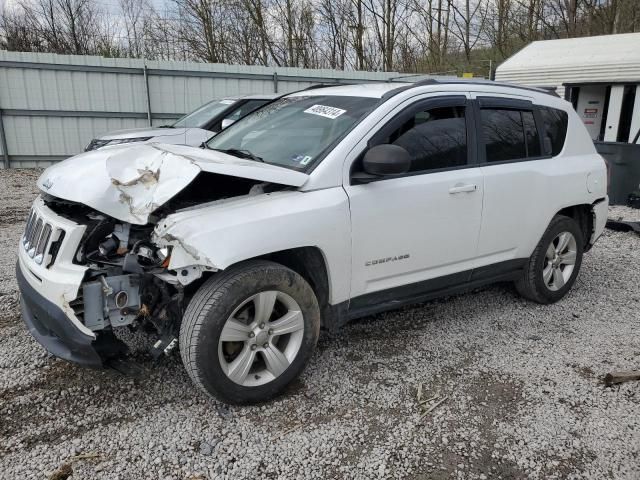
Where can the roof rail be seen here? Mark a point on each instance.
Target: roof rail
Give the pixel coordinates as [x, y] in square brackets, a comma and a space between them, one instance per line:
[434, 81]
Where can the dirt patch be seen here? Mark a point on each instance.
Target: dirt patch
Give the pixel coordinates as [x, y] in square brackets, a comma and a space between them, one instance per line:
[476, 405]
[584, 371]
[62, 473]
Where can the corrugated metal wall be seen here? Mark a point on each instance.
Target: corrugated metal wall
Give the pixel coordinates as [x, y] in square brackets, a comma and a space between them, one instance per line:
[51, 106]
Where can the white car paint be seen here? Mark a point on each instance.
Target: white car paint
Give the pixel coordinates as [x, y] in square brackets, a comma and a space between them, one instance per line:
[245, 227]
[446, 222]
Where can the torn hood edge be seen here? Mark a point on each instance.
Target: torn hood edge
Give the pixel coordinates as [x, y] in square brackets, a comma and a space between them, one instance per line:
[130, 182]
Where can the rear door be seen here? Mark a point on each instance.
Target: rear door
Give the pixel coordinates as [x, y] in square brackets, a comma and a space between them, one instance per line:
[516, 179]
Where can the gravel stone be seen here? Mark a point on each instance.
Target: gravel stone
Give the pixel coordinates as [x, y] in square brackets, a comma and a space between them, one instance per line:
[525, 397]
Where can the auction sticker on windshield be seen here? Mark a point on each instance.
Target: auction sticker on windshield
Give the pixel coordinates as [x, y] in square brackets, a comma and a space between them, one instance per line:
[325, 111]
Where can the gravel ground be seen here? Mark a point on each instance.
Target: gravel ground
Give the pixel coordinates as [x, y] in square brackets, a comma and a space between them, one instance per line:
[522, 385]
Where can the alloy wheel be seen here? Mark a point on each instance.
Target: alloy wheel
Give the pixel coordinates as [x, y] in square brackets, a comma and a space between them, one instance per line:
[261, 338]
[560, 260]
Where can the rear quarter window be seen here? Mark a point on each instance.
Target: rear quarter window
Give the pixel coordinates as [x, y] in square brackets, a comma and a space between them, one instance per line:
[555, 129]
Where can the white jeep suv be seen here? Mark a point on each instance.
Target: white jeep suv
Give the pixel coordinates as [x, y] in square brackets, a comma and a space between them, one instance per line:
[326, 205]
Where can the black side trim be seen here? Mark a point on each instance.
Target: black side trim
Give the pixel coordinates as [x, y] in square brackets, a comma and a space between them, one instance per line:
[456, 283]
[488, 272]
[51, 327]
[542, 131]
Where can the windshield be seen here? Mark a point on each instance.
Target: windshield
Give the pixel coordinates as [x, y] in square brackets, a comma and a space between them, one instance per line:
[293, 132]
[203, 115]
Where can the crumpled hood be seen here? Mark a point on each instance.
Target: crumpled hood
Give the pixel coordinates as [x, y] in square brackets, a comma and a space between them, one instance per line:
[130, 182]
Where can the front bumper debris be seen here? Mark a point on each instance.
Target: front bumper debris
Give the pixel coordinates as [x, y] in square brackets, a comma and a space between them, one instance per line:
[53, 329]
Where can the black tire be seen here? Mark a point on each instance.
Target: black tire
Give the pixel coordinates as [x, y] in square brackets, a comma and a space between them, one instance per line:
[209, 310]
[532, 285]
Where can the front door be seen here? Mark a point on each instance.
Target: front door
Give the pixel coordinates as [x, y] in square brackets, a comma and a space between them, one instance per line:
[418, 231]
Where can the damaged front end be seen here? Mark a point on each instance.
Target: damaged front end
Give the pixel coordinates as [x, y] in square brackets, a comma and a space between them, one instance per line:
[102, 274]
[127, 282]
[89, 262]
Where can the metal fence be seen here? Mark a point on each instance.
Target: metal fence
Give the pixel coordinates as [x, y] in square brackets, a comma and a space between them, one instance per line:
[51, 106]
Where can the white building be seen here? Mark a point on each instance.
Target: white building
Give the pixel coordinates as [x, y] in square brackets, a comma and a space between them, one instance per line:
[599, 75]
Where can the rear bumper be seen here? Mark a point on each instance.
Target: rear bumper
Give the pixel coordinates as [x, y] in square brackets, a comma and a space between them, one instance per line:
[600, 213]
[53, 329]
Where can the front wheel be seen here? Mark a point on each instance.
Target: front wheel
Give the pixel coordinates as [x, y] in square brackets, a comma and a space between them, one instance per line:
[249, 331]
[554, 265]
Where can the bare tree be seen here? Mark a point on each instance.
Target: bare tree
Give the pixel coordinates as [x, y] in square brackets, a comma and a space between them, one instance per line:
[137, 17]
[335, 16]
[468, 22]
[406, 35]
[258, 11]
[202, 28]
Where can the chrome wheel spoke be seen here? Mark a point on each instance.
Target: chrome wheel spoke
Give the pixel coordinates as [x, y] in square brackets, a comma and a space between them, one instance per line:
[551, 252]
[275, 360]
[563, 240]
[568, 258]
[547, 273]
[558, 278]
[234, 331]
[291, 322]
[239, 368]
[264, 303]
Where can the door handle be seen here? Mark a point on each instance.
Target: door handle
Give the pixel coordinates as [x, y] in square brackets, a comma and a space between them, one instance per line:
[460, 188]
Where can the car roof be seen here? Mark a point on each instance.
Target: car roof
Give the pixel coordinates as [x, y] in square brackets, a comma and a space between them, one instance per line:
[372, 90]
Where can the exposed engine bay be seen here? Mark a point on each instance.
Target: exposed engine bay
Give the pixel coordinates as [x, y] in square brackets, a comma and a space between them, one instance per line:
[128, 282]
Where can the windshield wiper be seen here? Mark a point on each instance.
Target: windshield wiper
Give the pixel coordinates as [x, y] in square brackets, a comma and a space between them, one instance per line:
[237, 152]
[166, 126]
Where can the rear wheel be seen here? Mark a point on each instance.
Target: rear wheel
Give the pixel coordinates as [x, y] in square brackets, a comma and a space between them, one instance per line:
[249, 331]
[554, 265]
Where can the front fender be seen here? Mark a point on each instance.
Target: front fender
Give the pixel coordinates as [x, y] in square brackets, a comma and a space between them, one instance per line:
[222, 233]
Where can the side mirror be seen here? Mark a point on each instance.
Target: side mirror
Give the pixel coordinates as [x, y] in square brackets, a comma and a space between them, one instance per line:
[386, 160]
[226, 122]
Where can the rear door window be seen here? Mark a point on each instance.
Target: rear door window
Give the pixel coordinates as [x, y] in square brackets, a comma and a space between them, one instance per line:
[509, 134]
